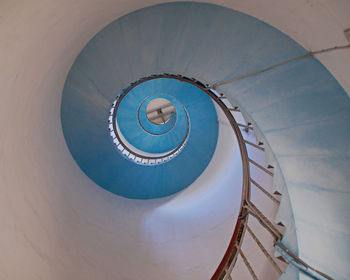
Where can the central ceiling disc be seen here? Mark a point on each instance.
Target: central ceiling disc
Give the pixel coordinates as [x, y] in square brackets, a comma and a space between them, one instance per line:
[159, 111]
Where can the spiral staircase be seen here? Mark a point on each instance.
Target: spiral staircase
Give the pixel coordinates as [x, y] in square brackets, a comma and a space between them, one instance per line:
[270, 203]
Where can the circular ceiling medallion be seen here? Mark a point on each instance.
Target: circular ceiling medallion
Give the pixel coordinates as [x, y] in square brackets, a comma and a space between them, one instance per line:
[159, 111]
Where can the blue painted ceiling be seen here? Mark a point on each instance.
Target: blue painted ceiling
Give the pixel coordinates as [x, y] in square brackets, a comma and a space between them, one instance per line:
[299, 107]
[132, 120]
[85, 111]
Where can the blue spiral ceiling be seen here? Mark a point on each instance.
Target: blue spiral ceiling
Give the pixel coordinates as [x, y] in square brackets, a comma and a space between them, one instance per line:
[298, 107]
[152, 138]
[86, 121]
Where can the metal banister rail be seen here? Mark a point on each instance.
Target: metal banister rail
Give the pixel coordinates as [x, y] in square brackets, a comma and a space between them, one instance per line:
[234, 250]
[223, 271]
[228, 261]
[247, 207]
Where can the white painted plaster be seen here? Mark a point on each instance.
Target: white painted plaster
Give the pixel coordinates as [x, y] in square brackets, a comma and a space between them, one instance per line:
[56, 223]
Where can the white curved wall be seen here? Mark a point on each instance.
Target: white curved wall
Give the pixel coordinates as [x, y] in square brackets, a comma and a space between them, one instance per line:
[55, 223]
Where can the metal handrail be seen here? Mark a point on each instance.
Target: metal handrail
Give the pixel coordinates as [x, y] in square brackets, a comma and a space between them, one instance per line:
[247, 208]
[234, 249]
[300, 264]
[225, 268]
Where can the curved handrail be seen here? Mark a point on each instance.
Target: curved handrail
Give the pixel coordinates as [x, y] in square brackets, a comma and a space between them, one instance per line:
[225, 267]
[228, 261]
[241, 224]
[247, 208]
[231, 253]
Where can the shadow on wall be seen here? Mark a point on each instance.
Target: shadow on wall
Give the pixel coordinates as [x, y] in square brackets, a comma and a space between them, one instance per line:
[181, 236]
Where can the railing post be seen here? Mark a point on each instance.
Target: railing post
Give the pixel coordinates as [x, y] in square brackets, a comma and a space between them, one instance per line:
[250, 269]
[254, 145]
[267, 255]
[245, 126]
[265, 222]
[234, 109]
[264, 191]
[260, 166]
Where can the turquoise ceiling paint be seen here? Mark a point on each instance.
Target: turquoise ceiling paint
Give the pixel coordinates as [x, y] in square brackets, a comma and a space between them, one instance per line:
[213, 43]
[90, 89]
[85, 126]
[182, 95]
